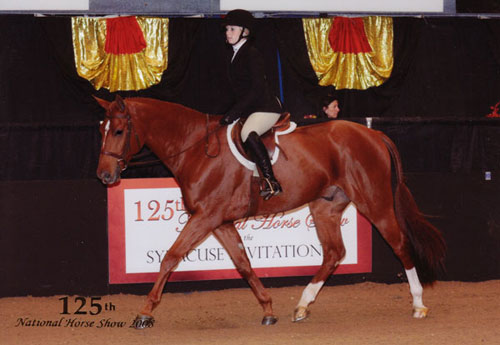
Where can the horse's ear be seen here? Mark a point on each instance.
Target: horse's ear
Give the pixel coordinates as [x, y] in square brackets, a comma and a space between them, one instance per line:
[102, 102]
[121, 104]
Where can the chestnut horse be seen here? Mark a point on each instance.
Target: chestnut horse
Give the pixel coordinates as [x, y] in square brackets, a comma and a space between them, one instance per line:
[327, 166]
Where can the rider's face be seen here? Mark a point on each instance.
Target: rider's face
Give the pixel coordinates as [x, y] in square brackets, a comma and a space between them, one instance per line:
[233, 33]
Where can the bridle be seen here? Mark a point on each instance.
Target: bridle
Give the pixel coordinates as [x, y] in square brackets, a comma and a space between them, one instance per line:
[121, 157]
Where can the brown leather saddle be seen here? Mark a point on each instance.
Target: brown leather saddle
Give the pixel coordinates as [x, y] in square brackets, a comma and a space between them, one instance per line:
[267, 138]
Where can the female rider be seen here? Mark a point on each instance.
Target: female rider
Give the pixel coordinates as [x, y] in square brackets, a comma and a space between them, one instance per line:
[251, 98]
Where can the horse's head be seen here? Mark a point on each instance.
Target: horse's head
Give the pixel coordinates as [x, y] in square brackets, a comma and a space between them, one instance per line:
[120, 140]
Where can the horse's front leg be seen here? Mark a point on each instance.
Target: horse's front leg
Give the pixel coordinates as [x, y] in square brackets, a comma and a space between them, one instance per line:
[231, 241]
[196, 229]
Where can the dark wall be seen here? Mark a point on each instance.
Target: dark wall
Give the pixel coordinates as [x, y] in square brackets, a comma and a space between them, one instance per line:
[465, 208]
[442, 67]
[53, 237]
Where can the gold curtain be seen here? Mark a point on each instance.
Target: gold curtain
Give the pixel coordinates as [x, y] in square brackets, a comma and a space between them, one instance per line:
[350, 70]
[120, 71]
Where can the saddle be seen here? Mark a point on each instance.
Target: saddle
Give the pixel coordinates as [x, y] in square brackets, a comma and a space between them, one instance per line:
[283, 125]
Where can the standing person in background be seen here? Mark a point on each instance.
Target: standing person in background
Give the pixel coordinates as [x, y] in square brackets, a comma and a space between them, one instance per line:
[251, 97]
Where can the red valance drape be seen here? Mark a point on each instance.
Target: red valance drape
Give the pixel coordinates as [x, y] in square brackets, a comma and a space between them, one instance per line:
[347, 35]
[124, 36]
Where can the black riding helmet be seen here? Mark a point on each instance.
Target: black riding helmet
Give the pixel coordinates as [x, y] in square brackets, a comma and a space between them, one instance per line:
[241, 18]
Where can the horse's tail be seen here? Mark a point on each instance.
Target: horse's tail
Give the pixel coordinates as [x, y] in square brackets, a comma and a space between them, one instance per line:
[425, 241]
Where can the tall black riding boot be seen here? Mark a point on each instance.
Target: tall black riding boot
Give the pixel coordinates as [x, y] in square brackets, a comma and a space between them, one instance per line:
[258, 151]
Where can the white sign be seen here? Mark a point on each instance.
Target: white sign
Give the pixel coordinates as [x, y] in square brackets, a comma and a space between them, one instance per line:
[404, 6]
[146, 216]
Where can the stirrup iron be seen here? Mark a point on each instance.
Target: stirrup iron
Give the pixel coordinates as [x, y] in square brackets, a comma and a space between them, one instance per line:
[267, 189]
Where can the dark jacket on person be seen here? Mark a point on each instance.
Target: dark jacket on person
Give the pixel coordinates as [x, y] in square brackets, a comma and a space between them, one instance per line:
[248, 84]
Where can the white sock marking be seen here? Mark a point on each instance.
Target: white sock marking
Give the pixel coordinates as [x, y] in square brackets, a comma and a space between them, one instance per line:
[309, 294]
[415, 288]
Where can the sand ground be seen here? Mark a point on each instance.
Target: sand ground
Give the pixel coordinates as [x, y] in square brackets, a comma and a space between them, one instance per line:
[367, 313]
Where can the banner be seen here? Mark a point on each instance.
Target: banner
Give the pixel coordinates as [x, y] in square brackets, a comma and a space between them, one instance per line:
[145, 217]
[350, 53]
[120, 53]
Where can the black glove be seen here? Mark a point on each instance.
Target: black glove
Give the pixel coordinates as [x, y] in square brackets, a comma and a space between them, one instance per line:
[226, 120]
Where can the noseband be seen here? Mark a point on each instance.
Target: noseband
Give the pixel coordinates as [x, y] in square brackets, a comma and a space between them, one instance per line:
[121, 157]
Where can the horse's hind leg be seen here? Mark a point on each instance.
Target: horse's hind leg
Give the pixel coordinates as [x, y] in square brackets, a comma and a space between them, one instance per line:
[390, 230]
[327, 218]
[229, 238]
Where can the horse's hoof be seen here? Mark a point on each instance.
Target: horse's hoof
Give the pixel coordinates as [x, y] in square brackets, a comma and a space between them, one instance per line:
[269, 320]
[300, 314]
[143, 321]
[420, 313]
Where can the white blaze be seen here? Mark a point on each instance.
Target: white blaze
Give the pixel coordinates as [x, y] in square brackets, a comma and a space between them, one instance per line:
[106, 130]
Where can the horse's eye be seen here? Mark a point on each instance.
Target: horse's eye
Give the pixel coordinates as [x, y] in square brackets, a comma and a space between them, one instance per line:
[118, 132]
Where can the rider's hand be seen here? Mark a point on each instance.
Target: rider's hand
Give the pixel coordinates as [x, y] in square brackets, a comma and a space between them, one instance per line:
[226, 120]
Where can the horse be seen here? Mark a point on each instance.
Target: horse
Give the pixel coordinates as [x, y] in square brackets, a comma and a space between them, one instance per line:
[327, 166]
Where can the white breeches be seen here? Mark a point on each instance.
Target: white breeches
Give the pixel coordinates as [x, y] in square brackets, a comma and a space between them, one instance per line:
[259, 122]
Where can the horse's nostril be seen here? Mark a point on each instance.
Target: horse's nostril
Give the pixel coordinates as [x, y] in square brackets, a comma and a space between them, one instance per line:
[104, 176]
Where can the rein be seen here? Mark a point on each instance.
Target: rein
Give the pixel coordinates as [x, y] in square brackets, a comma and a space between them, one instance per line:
[205, 137]
[121, 157]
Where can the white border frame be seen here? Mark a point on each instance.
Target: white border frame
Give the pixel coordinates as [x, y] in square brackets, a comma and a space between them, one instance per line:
[405, 6]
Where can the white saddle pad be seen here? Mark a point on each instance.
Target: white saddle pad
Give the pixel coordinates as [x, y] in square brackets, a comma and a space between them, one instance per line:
[247, 163]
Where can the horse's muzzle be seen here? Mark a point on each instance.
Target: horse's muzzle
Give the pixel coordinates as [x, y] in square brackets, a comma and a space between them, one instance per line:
[108, 178]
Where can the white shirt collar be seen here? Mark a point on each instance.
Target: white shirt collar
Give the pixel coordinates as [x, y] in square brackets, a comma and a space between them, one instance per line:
[237, 47]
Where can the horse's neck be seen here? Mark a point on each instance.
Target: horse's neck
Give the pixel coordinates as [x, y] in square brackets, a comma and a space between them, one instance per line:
[172, 129]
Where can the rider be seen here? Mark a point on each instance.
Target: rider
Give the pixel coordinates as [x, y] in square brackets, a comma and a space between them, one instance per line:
[251, 99]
